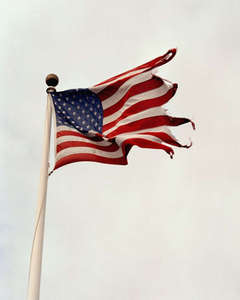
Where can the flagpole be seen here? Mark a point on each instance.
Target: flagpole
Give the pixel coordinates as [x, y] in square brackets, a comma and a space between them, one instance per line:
[37, 247]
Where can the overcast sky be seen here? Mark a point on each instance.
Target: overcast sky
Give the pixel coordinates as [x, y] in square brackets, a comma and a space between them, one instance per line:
[157, 228]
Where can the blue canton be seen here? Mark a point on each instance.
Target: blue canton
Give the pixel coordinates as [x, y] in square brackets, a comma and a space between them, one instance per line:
[80, 109]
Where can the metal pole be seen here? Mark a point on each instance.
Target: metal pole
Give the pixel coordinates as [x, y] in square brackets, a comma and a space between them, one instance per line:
[37, 247]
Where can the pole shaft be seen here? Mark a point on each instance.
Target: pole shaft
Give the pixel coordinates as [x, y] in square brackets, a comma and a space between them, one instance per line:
[37, 247]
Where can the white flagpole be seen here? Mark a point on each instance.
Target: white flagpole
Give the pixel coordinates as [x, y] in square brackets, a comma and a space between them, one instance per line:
[37, 247]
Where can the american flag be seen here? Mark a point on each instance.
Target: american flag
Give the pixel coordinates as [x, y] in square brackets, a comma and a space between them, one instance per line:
[103, 122]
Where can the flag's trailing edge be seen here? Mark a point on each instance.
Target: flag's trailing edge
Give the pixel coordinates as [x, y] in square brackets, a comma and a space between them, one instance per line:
[103, 122]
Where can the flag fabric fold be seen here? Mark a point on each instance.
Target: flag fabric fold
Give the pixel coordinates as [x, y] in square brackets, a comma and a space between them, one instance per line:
[103, 122]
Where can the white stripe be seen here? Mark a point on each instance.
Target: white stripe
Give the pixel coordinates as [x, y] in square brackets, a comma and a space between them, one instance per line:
[154, 93]
[165, 129]
[66, 128]
[99, 88]
[120, 139]
[123, 89]
[151, 112]
[71, 138]
[88, 150]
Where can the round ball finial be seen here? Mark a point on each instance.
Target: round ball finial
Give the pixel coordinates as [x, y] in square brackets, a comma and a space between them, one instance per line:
[52, 80]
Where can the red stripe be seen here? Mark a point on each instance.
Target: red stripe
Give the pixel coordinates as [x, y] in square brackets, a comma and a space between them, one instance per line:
[146, 123]
[69, 132]
[143, 105]
[149, 65]
[166, 138]
[136, 89]
[140, 142]
[109, 90]
[65, 145]
[159, 61]
[89, 157]
[97, 136]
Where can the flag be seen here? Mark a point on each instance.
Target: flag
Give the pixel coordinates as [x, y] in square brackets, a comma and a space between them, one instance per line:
[103, 122]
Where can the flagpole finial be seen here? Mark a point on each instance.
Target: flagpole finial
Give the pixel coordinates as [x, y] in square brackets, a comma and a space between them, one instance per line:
[51, 81]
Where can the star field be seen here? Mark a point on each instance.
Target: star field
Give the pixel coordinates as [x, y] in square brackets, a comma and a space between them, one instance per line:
[78, 108]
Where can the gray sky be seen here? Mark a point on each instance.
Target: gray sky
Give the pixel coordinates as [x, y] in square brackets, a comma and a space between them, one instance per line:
[157, 228]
